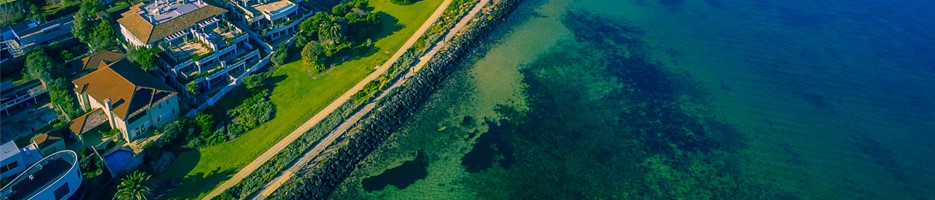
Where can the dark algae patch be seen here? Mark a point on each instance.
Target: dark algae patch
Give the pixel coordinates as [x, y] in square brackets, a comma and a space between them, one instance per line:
[605, 120]
[490, 148]
[401, 177]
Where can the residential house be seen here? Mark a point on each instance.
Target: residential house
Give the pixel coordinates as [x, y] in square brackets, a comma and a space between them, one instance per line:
[17, 39]
[14, 160]
[131, 100]
[56, 176]
[48, 143]
[198, 44]
[273, 19]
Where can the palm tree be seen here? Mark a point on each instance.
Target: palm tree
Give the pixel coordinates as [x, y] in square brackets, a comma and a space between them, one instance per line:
[134, 186]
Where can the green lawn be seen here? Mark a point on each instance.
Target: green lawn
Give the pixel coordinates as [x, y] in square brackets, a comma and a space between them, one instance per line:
[297, 96]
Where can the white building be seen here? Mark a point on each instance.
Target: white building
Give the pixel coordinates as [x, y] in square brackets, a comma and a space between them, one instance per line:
[273, 19]
[56, 176]
[199, 45]
[14, 160]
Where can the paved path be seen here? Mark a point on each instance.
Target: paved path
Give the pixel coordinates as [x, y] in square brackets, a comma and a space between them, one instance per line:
[350, 122]
[247, 170]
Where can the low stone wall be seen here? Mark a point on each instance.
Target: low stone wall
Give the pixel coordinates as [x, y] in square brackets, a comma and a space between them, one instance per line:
[318, 179]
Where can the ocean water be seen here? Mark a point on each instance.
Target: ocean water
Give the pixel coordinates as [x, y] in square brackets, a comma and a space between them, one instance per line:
[678, 99]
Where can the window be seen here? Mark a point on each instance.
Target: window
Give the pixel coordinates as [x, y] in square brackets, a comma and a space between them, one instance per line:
[9, 167]
[62, 191]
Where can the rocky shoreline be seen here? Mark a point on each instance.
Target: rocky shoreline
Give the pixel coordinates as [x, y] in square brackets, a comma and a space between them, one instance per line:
[318, 180]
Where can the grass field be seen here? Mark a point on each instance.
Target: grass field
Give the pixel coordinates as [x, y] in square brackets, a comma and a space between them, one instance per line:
[297, 96]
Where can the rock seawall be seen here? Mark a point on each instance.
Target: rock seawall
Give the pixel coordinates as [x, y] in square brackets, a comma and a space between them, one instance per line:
[317, 180]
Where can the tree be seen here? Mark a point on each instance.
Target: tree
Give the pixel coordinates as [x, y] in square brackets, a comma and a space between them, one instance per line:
[39, 65]
[311, 56]
[172, 132]
[205, 122]
[11, 12]
[135, 185]
[61, 95]
[402, 2]
[85, 19]
[145, 57]
[255, 81]
[280, 55]
[104, 37]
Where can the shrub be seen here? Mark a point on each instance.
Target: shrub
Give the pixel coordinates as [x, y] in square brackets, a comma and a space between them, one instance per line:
[253, 111]
[402, 2]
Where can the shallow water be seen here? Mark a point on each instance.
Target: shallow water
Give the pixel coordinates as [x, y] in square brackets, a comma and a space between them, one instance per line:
[778, 99]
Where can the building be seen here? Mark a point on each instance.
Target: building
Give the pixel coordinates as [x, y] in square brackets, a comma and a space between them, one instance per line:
[14, 160]
[273, 19]
[199, 45]
[56, 176]
[48, 143]
[17, 39]
[131, 100]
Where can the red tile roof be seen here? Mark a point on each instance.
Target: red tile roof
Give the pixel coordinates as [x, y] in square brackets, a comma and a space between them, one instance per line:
[130, 89]
[147, 32]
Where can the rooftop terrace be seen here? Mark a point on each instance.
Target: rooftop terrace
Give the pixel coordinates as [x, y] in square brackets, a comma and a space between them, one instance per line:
[164, 10]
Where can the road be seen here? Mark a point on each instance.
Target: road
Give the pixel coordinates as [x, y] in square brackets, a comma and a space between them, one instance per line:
[279, 146]
[350, 122]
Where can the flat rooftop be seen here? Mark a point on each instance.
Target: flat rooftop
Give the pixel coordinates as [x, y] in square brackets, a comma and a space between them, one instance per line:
[49, 172]
[274, 7]
[164, 10]
[8, 150]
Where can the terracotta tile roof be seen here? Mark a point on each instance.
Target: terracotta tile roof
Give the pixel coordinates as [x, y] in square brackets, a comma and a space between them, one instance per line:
[147, 32]
[46, 139]
[88, 121]
[130, 89]
[94, 60]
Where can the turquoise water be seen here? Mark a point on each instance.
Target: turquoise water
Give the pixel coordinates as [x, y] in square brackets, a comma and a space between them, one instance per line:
[663, 99]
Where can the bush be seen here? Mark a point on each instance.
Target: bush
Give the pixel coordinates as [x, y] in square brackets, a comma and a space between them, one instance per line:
[280, 55]
[402, 2]
[89, 164]
[160, 165]
[255, 81]
[252, 112]
[173, 131]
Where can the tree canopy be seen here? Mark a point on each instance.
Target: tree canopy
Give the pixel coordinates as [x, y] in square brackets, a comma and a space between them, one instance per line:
[135, 185]
[311, 56]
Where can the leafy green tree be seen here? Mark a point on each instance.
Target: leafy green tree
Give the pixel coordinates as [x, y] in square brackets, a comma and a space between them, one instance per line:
[255, 81]
[84, 21]
[135, 185]
[205, 122]
[311, 56]
[61, 95]
[39, 65]
[104, 37]
[280, 55]
[145, 57]
[90, 165]
[172, 132]
[402, 2]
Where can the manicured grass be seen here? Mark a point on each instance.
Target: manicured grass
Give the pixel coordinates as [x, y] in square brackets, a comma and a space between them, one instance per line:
[297, 96]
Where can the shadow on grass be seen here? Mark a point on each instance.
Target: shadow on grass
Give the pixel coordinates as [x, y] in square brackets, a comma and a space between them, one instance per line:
[184, 163]
[189, 187]
[389, 25]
